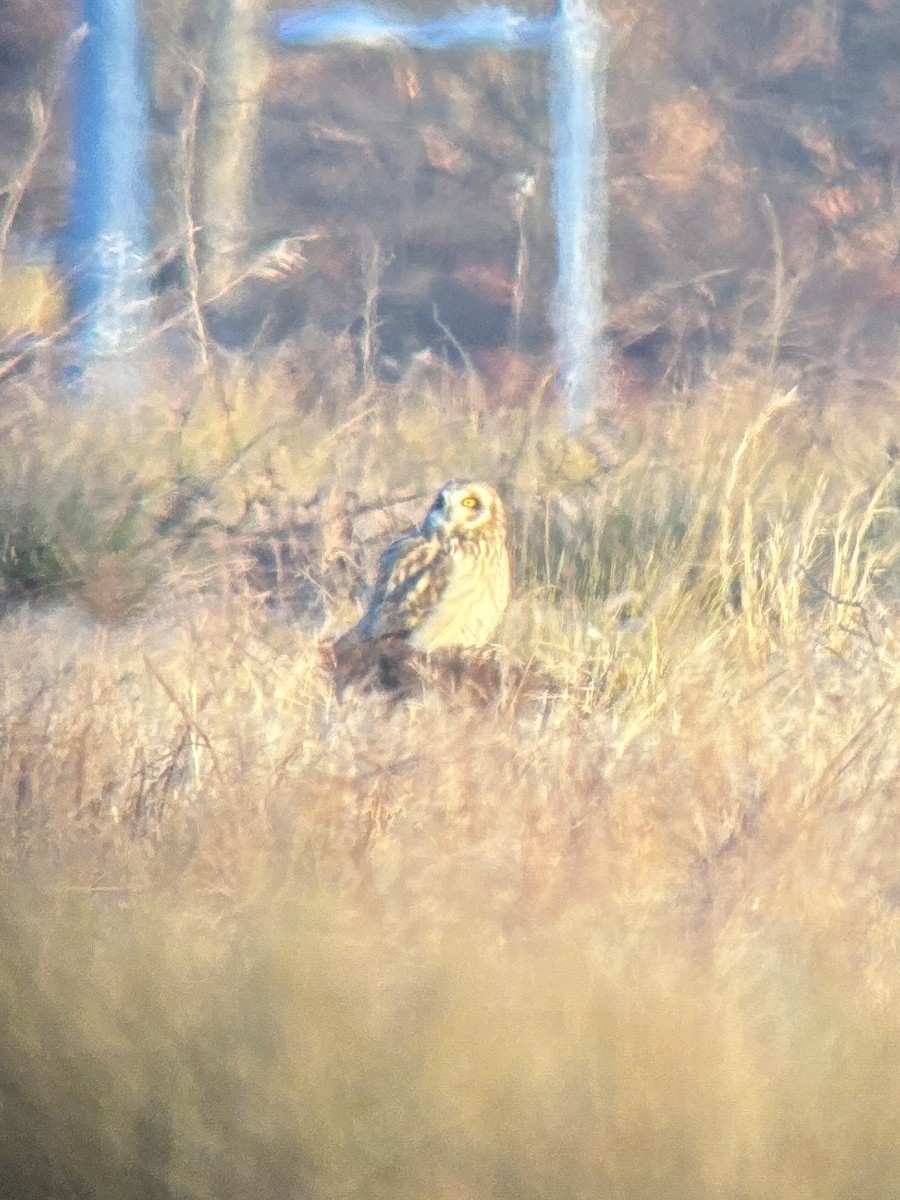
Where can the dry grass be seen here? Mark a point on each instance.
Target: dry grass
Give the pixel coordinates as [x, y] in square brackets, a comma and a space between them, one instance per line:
[632, 935]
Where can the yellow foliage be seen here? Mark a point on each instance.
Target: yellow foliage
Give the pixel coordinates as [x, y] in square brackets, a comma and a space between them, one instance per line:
[32, 300]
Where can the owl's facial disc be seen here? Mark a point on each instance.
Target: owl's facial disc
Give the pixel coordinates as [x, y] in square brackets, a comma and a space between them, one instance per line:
[458, 507]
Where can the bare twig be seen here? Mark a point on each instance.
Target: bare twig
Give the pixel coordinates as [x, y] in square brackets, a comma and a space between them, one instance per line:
[372, 273]
[188, 159]
[187, 716]
[11, 365]
[779, 301]
[842, 601]
[41, 108]
[524, 191]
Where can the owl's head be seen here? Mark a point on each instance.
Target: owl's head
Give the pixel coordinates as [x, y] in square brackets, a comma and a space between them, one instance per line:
[462, 507]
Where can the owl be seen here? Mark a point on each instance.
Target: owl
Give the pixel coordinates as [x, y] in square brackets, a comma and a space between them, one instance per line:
[444, 584]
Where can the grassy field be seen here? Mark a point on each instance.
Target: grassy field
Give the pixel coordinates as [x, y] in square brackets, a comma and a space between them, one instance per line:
[632, 931]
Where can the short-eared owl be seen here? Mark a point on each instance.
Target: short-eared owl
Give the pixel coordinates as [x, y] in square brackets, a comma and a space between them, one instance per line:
[446, 583]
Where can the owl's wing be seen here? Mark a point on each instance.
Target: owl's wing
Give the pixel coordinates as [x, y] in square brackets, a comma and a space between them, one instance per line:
[412, 574]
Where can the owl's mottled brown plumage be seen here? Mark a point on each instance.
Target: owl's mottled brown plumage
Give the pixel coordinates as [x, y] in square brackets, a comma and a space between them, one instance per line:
[444, 584]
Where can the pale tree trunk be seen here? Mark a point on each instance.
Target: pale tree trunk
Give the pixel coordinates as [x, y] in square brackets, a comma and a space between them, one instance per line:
[105, 244]
[235, 74]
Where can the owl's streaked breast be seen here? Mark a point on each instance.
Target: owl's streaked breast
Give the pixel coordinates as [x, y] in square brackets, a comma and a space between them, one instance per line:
[472, 603]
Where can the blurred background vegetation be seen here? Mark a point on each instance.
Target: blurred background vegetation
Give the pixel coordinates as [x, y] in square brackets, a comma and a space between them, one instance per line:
[753, 176]
[625, 924]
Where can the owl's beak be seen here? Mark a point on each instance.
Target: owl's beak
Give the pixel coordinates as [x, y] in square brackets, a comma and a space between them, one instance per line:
[436, 521]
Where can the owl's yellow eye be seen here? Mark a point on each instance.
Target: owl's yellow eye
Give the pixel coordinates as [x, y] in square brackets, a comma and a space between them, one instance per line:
[469, 502]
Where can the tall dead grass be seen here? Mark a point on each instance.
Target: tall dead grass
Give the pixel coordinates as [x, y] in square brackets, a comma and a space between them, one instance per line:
[635, 935]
